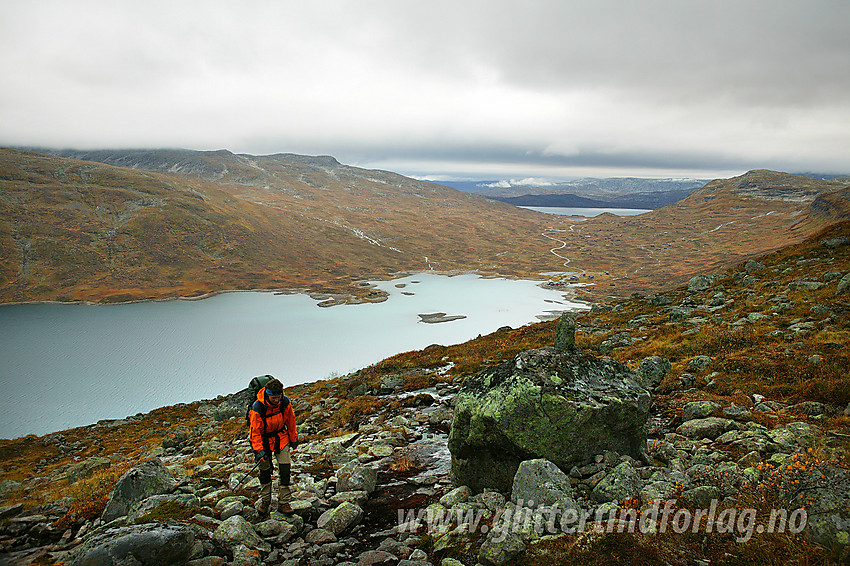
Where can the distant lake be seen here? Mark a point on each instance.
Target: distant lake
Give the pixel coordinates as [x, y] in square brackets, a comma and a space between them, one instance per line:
[589, 212]
[63, 366]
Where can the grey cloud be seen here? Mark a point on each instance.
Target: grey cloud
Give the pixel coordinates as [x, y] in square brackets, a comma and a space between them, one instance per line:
[655, 84]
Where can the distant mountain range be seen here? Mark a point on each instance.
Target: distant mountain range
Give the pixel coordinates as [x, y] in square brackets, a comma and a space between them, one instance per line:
[614, 192]
[122, 225]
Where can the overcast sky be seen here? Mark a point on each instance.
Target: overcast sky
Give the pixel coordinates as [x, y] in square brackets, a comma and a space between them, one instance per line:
[481, 89]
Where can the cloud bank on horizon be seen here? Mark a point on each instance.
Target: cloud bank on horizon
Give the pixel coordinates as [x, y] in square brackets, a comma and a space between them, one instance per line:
[483, 89]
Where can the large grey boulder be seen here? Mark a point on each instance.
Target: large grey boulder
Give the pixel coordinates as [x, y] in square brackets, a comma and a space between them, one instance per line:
[148, 478]
[150, 544]
[564, 406]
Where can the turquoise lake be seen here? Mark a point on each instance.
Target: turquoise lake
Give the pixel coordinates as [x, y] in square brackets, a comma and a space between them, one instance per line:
[63, 366]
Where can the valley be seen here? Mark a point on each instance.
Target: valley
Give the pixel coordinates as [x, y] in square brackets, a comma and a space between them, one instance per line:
[118, 226]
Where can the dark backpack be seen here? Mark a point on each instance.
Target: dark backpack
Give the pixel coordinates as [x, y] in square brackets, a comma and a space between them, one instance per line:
[256, 384]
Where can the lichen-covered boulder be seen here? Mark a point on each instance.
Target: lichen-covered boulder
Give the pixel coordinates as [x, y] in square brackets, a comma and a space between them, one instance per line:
[564, 406]
[145, 480]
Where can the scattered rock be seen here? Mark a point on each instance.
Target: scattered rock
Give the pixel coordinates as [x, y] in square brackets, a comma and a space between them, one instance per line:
[619, 340]
[147, 479]
[699, 363]
[565, 332]
[619, 484]
[700, 283]
[341, 517]
[737, 413]
[357, 477]
[833, 243]
[540, 482]
[752, 266]
[499, 550]
[237, 531]
[710, 428]
[843, 285]
[699, 410]
[652, 370]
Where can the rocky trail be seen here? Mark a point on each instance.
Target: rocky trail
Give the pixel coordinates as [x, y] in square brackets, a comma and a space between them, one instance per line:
[358, 492]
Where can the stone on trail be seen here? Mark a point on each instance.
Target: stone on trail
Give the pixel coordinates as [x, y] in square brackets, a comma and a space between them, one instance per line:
[354, 476]
[564, 406]
[341, 517]
[237, 531]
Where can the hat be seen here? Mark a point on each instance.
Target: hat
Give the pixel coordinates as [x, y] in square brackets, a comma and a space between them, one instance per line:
[274, 387]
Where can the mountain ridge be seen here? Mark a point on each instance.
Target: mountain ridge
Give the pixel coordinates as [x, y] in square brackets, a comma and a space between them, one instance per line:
[182, 223]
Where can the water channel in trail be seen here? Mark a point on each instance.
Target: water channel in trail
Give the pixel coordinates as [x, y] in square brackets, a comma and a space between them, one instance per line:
[63, 366]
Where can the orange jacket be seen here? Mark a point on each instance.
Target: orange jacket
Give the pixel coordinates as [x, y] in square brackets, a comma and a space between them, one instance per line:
[279, 427]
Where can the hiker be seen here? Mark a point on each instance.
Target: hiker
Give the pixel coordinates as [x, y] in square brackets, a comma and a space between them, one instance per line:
[273, 434]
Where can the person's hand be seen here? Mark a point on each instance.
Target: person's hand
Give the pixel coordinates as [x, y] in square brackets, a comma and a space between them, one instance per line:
[262, 455]
[293, 444]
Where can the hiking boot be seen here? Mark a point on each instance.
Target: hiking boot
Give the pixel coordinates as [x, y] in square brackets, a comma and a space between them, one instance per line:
[265, 500]
[284, 497]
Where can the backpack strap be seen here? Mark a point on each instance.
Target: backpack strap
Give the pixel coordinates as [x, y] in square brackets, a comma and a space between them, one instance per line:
[260, 409]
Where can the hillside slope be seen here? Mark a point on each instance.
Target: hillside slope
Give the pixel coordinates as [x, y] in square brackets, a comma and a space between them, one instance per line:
[724, 222]
[79, 230]
[129, 225]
